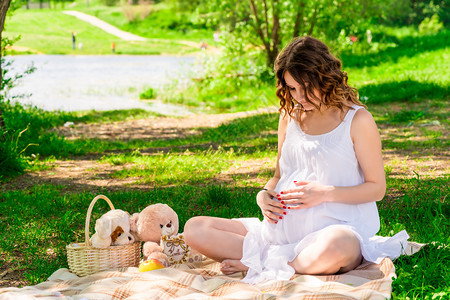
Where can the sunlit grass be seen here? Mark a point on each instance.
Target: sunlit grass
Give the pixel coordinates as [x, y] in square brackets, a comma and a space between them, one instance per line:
[49, 31]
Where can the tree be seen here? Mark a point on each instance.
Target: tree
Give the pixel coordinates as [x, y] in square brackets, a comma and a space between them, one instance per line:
[271, 23]
[4, 5]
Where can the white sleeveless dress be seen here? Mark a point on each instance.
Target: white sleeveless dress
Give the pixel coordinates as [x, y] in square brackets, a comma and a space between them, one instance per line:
[328, 159]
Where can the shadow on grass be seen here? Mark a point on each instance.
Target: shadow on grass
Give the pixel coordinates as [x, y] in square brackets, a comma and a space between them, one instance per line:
[408, 91]
[408, 46]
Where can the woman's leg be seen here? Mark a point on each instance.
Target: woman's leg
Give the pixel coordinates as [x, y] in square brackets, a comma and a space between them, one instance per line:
[335, 250]
[216, 238]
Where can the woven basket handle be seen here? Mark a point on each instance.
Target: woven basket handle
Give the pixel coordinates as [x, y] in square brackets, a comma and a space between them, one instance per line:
[88, 217]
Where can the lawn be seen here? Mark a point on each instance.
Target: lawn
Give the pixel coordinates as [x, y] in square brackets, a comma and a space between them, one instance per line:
[49, 31]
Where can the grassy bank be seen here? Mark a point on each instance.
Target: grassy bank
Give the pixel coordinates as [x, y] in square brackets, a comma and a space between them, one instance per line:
[49, 31]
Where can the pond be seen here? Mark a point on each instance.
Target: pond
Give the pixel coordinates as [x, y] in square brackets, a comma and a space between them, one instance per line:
[110, 82]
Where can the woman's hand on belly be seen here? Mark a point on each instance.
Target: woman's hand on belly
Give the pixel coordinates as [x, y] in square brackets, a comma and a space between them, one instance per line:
[306, 194]
[271, 209]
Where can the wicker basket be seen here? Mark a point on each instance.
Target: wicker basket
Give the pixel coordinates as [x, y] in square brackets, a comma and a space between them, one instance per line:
[84, 259]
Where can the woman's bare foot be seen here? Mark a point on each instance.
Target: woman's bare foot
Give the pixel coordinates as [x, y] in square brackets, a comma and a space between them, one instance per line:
[230, 266]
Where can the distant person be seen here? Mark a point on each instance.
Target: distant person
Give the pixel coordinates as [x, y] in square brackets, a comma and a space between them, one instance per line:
[113, 47]
[369, 36]
[74, 40]
[80, 46]
[203, 45]
[216, 36]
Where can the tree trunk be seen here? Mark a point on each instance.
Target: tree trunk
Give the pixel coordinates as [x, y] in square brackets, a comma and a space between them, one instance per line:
[4, 5]
[276, 41]
[298, 25]
[270, 37]
[313, 20]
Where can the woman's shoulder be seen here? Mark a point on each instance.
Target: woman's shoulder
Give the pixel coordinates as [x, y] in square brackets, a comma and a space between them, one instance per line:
[362, 115]
[363, 123]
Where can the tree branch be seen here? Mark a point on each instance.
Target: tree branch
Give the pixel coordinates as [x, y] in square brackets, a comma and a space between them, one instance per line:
[266, 18]
[275, 33]
[258, 25]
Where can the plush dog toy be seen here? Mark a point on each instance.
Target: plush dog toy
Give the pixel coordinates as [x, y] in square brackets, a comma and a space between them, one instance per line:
[113, 228]
[157, 226]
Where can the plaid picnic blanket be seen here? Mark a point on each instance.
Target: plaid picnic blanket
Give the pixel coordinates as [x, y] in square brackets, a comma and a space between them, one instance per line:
[203, 280]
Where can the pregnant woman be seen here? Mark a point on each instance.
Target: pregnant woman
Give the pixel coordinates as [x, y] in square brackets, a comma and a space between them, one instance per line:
[319, 208]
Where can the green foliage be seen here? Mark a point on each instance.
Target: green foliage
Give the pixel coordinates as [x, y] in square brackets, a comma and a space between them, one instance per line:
[164, 22]
[149, 93]
[399, 65]
[110, 2]
[135, 13]
[237, 79]
[412, 12]
[12, 161]
[431, 25]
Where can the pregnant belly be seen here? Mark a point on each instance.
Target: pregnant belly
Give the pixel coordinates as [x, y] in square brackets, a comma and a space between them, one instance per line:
[299, 223]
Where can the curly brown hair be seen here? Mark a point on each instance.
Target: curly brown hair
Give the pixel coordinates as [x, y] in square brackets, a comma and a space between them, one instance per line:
[311, 64]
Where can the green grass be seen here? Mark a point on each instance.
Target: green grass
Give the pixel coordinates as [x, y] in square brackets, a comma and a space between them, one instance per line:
[162, 22]
[46, 217]
[49, 31]
[39, 139]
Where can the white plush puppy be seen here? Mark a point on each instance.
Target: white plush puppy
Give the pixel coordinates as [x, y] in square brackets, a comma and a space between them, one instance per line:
[113, 228]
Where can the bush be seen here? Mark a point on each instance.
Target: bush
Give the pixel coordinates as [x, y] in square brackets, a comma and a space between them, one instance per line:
[150, 93]
[237, 79]
[431, 25]
[135, 13]
[12, 161]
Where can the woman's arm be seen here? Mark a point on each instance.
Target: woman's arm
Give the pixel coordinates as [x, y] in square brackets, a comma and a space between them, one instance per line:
[268, 205]
[367, 145]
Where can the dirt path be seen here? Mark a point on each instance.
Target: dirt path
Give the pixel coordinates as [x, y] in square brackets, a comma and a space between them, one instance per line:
[105, 26]
[87, 173]
[123, 34]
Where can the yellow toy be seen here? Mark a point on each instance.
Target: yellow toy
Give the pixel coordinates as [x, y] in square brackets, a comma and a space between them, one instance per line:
[150, 265]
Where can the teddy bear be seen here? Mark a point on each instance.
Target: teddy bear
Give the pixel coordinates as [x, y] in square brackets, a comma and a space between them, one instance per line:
[112, 229]
[157, 226]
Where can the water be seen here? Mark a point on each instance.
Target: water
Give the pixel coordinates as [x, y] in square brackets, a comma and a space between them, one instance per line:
[74, 83]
